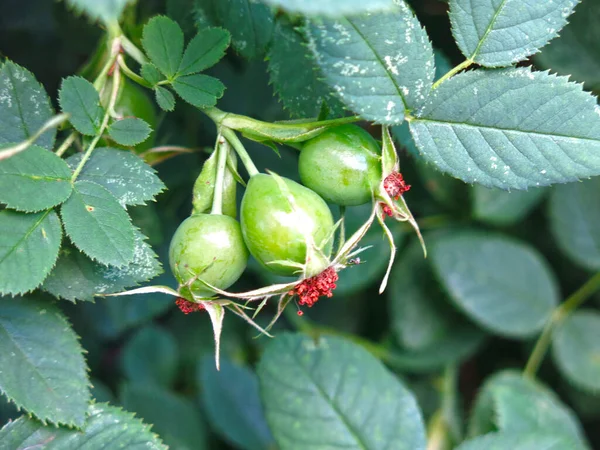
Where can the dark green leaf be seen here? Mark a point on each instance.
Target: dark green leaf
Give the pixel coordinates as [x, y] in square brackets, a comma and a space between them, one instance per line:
[175, 418]
[499, 207]
[199, 90]
[204, 51]
[24, 107]
[150, 73]
[510, 128]
[43, 369]
[164, 98]
[79, 98]
[379, 75]
[151, 357]
[332, 8]
[29, 246]
[537, 440]
[129, 131]
[34, 179]
[98, 225]
[501, 33]
[230, 396]
[574, 217]
[503, 285]
[332, 393]
[163, 42]
[107, 428]
[576, 349]
[108, 11]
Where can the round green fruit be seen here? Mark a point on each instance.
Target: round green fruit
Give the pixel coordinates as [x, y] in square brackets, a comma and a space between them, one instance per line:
[208, 247]
[342, 165]
[276, 229]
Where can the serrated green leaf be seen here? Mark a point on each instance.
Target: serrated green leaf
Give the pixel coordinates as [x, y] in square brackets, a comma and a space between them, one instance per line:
[378, 75]
[333, 8]
[502, 32]
[24, 107]
[204, 50]
[174, 417]
[502, 284]
[519, 405]
[150, 73]
[576, 349]
[499, 207]
[574, 213]
[576, 52]
[107, 427]
[164, 98]
[163, 41]
[76, 277]
[129, 131]
[332, 393]
[230, 395]
[108, 11]
[151, 357]
[199, 90]
[79, 98]
[250, 24]
[546, 440]
[33, 180]
[98, 225]
[43, 369]
[29, 246]
[295, 75]
[511, 129]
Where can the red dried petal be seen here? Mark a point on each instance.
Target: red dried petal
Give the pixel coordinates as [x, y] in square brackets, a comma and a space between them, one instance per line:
[311, 289]
[187, 307]
[395, 185]
[386, 209]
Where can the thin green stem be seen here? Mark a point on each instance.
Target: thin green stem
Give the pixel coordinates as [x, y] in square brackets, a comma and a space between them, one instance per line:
[453, 72]
[560, 313]
[240, 150]
[100, 80]
[132, 50]
[66, 144]
[223, 150]
[131, 74]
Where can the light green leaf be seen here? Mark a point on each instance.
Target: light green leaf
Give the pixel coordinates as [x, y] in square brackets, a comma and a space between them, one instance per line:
[537, 440]
[29, 246]
[576, 349]
[510, 128]
[332, 8]
[199, 90]
[79, 98]
[250, 24]
[175, 418]
[129, 131]
[295, 75]
[33, 180]
[204, 51]
[98, 225]
[502, 32]
[379, 75]
[574, 214]
[515, 404]
[164, 98]
[151, 357]
[230, 395]
[43, 369]
[108, 11]
[163, 41]
[150, 73]
[499, 207]
[24, 107]
[502, 284]
[332, 393]
[107, 427]
[76, 277]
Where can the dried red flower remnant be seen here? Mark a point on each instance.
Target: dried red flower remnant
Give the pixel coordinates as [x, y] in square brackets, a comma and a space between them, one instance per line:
[187, 307]
[395, 186]
[386, 209]
[311, 289]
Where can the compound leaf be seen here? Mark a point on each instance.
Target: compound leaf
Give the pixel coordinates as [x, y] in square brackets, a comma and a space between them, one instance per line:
[34, 179]
[510, 128]
[44, 371]
[150, 73]
[199, 90]
[333, 8]
[163, 41]
[29, 246]
[204, 50]
[79, 98]
[129, 131]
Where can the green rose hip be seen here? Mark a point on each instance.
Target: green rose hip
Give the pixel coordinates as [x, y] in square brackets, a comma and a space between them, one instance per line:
[279, 219]
[342, 165]
[210, 248]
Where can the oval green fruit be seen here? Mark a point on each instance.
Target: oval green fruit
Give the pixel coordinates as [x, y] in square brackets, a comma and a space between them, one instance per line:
[208, 247]
[276, 229]
[342, 165]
